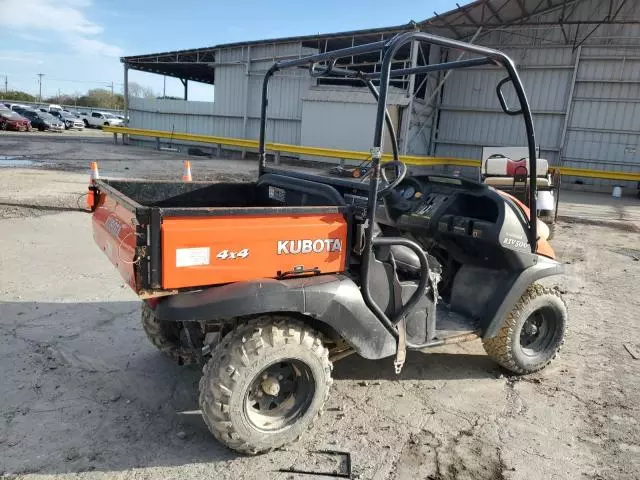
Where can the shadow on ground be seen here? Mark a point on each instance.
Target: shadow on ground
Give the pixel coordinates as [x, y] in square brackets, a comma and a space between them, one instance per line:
[82, 389]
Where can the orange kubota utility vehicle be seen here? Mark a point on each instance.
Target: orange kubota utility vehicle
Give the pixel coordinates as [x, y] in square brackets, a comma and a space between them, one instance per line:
[267, 283]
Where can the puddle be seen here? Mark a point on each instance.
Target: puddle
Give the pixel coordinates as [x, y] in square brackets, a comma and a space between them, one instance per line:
[6, 161]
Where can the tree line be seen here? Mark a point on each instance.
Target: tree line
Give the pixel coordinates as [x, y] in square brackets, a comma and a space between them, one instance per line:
[94, 98]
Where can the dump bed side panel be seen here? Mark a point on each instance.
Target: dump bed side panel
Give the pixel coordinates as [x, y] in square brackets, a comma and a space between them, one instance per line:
[114, 233]
[200, 251]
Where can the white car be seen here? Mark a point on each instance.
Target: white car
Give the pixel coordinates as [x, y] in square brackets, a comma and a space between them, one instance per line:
[101, 119]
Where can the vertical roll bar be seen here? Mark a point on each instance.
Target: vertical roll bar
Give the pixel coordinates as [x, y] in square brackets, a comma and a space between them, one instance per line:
[389, 49]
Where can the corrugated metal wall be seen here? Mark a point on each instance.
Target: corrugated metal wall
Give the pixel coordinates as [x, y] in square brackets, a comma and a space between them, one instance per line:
[471, 117]
[342, 124]
[585, 100]
[238, 93]
[176, 115]
[604, 124]
[344, 117]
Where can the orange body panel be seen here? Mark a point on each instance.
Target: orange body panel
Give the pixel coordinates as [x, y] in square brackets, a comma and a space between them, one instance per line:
[198, 251]
[543, 247]
[114, 234]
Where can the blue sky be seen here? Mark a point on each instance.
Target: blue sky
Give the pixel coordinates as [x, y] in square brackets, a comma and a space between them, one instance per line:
[77, 43]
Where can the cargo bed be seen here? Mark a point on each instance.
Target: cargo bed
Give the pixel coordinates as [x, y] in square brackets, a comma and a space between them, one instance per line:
[169, 236]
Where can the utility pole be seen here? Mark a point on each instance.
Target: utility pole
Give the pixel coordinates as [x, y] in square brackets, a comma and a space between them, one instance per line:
[113, 100]
[40, 75]
[6, 84]
[164, 87]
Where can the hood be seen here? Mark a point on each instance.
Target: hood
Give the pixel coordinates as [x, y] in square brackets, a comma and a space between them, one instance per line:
[542, 247]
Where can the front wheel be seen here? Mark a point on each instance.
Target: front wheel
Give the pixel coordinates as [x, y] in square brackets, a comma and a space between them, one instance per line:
[532, 333]
[265, 384]
[549, 219]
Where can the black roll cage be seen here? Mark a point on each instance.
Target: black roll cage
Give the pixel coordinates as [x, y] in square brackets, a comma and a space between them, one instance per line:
[389, 48]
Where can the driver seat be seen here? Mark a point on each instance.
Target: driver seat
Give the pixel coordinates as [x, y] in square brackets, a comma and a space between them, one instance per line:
[406, 259]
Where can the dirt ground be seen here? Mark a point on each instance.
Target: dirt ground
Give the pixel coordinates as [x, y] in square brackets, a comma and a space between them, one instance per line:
[84, 395]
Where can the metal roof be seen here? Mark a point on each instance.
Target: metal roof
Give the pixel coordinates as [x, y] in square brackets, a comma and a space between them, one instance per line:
[465, 20]
[199, 64]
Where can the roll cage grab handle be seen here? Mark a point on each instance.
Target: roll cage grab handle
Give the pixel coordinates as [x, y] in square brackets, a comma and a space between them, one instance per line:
[390, 48]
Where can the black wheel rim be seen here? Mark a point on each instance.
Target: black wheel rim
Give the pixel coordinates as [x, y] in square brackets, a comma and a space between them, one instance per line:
[538, 332]
[279, 395]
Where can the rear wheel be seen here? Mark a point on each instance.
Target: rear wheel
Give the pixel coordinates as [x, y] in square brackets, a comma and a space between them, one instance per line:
[168, 337]
[265, 384]
[533, 332]
[165, 336]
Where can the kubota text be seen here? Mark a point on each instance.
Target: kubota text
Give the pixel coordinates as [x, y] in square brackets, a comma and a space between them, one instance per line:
[295, 247]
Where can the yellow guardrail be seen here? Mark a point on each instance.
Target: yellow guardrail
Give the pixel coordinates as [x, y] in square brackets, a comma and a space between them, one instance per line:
[605, 174]
[349, 154]
[286, 148]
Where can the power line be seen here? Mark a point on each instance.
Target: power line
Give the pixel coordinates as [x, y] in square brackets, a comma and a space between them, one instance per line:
[58, 79]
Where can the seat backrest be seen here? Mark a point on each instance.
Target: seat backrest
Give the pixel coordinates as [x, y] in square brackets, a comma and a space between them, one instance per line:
[500, 166]
[495, 166]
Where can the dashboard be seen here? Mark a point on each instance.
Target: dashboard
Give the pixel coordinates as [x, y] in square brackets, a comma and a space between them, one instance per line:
[436, 205]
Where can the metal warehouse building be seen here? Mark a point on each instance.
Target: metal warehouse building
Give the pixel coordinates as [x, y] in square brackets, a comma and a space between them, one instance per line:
[579, 61]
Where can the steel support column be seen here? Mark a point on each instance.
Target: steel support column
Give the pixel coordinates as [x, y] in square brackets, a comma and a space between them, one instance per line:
[245, 116]
[565, 124]
[185, 84]
[408, 113]
[125, 137]
[433, 95]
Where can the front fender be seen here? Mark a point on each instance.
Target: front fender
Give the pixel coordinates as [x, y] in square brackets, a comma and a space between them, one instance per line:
[334, 300]
[544, 267]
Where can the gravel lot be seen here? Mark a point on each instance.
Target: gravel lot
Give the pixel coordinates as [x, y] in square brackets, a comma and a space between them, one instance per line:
[84, 395]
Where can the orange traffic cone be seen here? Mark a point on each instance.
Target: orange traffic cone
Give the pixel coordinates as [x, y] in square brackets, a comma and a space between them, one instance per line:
[91, 194]
[186, 172]
[94, 175]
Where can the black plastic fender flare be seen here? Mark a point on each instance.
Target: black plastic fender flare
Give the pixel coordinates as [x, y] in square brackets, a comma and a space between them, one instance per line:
[334, 300]
[544, 267]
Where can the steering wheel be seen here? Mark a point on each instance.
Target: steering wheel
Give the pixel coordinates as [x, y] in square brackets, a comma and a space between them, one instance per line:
[401, 173]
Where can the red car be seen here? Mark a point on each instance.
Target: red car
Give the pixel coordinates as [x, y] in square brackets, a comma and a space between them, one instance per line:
[10, 120]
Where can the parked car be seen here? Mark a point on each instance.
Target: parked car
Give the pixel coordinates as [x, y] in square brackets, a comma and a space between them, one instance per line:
[21, 109]
[101, 119]
[10, 120]
[16, 106]
[54, 108]
[43, 121]
[70, 120]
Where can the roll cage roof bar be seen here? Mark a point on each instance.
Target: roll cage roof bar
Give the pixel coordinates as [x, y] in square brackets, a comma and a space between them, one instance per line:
[389, 49]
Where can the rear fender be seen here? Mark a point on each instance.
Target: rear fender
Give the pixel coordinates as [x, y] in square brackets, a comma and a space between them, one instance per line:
[333, 300]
